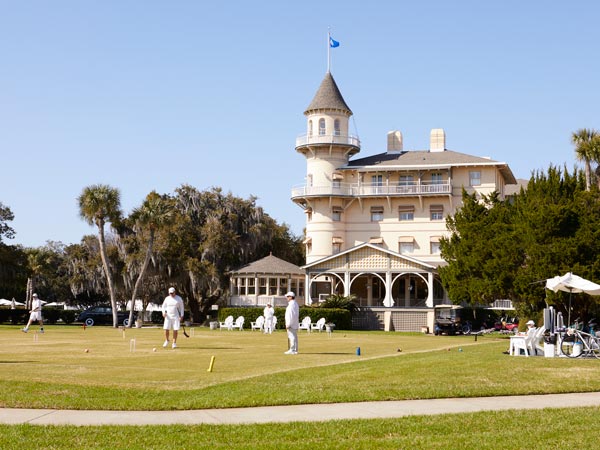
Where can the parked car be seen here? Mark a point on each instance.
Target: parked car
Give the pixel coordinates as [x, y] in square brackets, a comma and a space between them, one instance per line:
[455, 319]
[102, 314]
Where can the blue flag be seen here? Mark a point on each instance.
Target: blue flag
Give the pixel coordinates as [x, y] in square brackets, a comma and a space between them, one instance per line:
[333, 43]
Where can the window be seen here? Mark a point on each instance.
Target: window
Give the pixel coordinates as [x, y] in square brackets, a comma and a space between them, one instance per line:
[336, 214]
[336, 183]
[376, 213]
[310, 128]
[406, 180]
[475, 178]
[282, 286]
[272, 286]
[376, 183]
[436, 212]
[336, 127]
[406, 248]
[434, 244]
[436, 178]
[406, 184]
[242, 286]
[262, 286]
[251, 287]
[406, 213]
[321, 127]
[336, 245]
[406, 245]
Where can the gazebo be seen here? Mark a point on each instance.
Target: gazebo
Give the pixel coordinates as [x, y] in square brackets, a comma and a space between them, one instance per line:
[266, 281]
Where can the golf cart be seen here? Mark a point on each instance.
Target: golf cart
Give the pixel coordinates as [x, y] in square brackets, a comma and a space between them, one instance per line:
[448, 320]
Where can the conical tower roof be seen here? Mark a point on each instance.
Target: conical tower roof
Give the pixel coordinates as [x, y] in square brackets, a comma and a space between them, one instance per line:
[328, 97]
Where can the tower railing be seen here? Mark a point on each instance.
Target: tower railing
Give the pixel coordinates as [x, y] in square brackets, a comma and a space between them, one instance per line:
[372, 189]
[338, 139]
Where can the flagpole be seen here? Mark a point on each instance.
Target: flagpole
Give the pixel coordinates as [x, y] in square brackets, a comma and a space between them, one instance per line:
[328, 50]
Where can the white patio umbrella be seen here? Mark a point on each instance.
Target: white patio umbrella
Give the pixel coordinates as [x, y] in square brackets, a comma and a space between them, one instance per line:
[572, 284]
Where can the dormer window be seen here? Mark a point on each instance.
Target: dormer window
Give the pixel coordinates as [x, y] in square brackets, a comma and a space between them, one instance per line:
[336, 127]
[321, 127]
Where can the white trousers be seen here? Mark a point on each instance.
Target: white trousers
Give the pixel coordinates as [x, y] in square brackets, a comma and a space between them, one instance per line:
[293, 339]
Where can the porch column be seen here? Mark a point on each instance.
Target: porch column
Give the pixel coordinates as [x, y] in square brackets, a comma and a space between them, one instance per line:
[429, 301]
[407, 292]
[346, 283]
[388, 300]
[256, 290]
[307, 288]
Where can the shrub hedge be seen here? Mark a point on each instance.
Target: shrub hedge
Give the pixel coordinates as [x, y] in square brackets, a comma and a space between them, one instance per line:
[342, 318]
[49, 315]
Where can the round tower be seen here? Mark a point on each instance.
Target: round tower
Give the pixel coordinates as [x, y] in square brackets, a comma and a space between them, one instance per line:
[327, 146]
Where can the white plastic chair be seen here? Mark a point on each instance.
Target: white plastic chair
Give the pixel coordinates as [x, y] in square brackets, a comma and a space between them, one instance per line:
[320, 325]
[274, 324]
[537, 341]
[523, 342]
[239, 323]
[305, 324]
[227, 324]
[258, 325]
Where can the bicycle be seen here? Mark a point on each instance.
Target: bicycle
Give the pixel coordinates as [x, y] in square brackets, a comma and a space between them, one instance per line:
[575, 343]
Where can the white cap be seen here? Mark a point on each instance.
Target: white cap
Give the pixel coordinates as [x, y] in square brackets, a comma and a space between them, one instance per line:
[531, 322]
[35, 295]
[171, 290]
[290, 294]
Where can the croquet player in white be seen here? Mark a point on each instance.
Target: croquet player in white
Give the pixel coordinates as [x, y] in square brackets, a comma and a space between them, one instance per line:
[36, 314]
[268, 313]
[292, 321]
[172, 311]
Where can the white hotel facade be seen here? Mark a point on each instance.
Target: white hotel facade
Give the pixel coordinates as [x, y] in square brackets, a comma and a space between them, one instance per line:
[373, 223]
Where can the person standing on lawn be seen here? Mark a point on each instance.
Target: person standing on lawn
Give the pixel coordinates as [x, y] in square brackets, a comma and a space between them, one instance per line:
[172, 310]
[292, 321]
[268, 313]
[35, 314]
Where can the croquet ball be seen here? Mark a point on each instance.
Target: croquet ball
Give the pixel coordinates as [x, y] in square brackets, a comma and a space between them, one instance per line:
[460, 349]
[448, 349]
[399, 350]
[87, 350]
[154, 349]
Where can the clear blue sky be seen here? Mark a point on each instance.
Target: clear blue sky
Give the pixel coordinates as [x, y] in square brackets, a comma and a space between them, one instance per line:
[148, 95]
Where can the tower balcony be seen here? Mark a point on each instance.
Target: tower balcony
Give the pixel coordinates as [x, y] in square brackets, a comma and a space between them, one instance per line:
[372, 190]
[327, 139]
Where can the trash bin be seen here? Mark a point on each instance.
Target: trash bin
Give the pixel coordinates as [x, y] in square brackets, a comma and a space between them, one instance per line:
[213, 325]
[549, 350]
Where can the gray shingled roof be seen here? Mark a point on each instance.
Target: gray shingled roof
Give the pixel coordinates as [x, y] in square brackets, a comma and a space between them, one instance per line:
[417, 159]
[270, 265]
[328, 97]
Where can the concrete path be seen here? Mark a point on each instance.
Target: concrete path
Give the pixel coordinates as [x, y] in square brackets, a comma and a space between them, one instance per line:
[301, 413]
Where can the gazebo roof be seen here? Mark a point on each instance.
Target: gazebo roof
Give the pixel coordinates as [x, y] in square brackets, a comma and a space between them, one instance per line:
[269, 265]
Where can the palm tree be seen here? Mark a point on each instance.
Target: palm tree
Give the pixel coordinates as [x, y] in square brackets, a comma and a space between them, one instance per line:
[98, 204]
[155, 212]
[587, 149]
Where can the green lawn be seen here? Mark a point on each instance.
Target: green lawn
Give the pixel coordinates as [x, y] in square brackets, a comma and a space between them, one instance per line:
[56, 372]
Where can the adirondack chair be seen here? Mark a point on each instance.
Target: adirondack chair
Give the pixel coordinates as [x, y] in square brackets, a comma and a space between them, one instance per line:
[227, 324]
[258, 325]
[319, 325]
[239, 323]
[305, 324]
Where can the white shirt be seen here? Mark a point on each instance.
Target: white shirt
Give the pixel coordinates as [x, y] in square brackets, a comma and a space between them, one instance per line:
[36, 305]
[172, 307]
[269, 312]
[292, 315]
